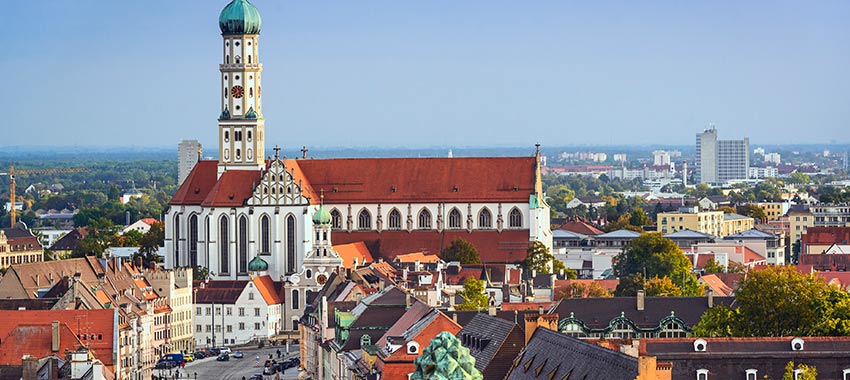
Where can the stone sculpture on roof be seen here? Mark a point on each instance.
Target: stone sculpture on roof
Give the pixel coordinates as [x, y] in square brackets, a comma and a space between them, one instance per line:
[445, 359]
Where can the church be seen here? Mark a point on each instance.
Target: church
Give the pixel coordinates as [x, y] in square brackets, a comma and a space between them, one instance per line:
[244, 213]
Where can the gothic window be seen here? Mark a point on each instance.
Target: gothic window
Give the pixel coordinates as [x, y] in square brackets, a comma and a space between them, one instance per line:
[207, 239]
[424, 219]
[224, 246]
[242, 247]
[177, 240]
[265, 235]
[485, 219]
[336, 219]
[193, 240]
[364, 220]
[454, 218]
[394, 220]
[515, 218]
[295, 295]
[290, 244]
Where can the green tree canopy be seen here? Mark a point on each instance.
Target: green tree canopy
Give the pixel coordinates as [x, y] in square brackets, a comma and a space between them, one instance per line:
[462, 251]
[473, 295]
[651, 254]
[712, 266]
[538, 258]
[662, 287]
[780, 301]
[807, 372]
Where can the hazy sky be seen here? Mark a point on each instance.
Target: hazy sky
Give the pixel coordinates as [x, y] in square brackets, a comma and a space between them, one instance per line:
[433, 73]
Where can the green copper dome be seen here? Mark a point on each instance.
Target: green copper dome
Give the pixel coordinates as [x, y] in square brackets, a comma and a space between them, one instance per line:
[322, 216]
[258, 265]
[240, 17]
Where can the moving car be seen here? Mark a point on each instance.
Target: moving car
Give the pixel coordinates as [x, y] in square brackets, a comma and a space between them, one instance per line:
[189, 357]
[175, 357]
[225, 350]
[222, 357]
[238, 355]
[199, 355]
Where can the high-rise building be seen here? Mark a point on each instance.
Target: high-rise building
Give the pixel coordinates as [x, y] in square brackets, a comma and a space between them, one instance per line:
[188, 154]
[719, 161]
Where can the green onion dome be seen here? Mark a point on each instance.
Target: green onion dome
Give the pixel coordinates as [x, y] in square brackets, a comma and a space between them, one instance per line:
[322, 216]
[258, 265]
[240, 17]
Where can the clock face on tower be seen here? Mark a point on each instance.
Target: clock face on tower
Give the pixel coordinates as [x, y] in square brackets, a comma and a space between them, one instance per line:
[237, 91]
[321, 279]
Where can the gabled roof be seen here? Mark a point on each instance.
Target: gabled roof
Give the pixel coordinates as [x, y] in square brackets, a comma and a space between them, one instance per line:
[99, 325]
[564, 234]
[598, 312]
[398, 180]
[581, 227]
[416, 311]
[25, 280]
[266, 286]
[219, 291]
[491, 333]
[618, 234]
[233, 188]
[351, 251]
[34, 339]
[69, 241]
[750, 234]
[716, 285]
[422, 257]
[197, 184]
[688, 234]
[552, 355]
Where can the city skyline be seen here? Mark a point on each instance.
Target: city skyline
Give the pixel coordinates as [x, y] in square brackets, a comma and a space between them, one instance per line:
[340, 74]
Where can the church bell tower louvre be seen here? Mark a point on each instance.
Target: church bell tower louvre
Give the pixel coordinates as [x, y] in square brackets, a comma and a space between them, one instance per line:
[240, 124]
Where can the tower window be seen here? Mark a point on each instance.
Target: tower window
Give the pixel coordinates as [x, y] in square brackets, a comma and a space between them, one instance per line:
[236, 77]
[225, 92]
[249, 59]
[454, 218]
[250, 92]
[364, 220]
[236, 43]
[395, 220]
[515, 218]
[249, 136]
[238, 107]
[238, 154]
[226, 136]
[237, 135]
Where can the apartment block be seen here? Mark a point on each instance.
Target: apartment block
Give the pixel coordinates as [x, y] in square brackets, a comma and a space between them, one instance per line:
[720, 161]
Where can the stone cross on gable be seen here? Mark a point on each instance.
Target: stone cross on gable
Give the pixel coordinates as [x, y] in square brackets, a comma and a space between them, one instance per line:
[276, 152]
[304, 152]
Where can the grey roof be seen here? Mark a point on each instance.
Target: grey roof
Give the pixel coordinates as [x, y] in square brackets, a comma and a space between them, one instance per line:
[688, 234]
[552, 355]
[751, 234]
[733, 216]
[619, 234]
[564, 234]
[490, 332]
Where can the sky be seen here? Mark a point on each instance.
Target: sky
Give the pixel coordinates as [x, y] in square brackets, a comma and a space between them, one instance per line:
[433, 73]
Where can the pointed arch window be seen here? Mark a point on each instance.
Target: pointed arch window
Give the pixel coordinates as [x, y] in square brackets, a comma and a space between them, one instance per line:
[515, 218]
[265, 235]
[193, 240]
[336, 219]
[224, 245]
[207, 240]
[176, 240]
[242, 246]
[454, 219]
[424, 219]
[364, 220]
[290, 244]
[485, 219]
[394, 220]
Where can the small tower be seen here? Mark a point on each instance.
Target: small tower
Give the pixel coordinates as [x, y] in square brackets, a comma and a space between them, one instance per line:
[258, 267]
[240, 124]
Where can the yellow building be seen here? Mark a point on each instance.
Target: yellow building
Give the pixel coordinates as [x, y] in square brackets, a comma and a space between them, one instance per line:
[773, 210]
[820, 216]
[714, 223]
[19, 251]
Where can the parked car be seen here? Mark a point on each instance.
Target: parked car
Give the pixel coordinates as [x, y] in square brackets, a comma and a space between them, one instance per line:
[199, 355]
[189, 357]
[238, 355]
[225, 350]
[214, 351]
[164, 364]
[222, 357]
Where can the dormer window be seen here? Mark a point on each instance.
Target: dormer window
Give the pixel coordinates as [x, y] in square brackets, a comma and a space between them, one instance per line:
[412, 348]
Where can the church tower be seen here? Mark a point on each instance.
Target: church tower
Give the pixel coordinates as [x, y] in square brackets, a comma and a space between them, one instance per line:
[240, 125]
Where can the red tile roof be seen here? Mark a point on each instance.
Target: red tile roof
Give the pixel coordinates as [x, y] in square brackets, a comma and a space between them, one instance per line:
[393, 180]
[508, 246]
[268, 289]
[422, 257]
[34, 339]
[826, 236]
[581, 227]
[197, 185]
[233, 188]
[98, 324]
[349, 252]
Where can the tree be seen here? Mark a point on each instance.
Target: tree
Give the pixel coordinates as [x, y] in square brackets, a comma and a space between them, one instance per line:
[638, 217]
[462, 251]
[712, 266]
[780, 301]
[538, 258]
[623, 222]
[754, 212]
[629, 285]
[661, 287]
[473, 295]
[806, 372]
[727, 210]
[652, 255]
[101, 232]
[149, 245]
[580, 290]
[558, 266]
[798, 178]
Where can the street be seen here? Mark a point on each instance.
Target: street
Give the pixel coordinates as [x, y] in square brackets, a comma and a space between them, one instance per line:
[233, 369]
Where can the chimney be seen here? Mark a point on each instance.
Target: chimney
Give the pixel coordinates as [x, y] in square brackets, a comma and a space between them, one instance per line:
[97, 370]
[454, 317]
[640, 299]
[30, 368]
[492, 310]
[54, 344]
[710, 295]
[407, 300]
[506, 293]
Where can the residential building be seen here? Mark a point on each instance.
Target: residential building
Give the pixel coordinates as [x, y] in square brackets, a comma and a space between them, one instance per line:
[773, 210]
[188, 154]
[494, 343]
[687, 238]
[713, 202]
[590, 201]
[615, 239]
[632, 317]
[716, 223]
[750, 358]
[66, 245]
[821, 239]
[775, 246]
[237, 311]
[19, 248]
[773, 158]
[142, 226]
[748, 252]
[720, 161]
[822, 215]
[763, 172]
[176, 287]
[407, 338]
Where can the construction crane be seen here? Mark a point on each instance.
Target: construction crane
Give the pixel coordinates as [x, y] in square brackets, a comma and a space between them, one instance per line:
[11, 174]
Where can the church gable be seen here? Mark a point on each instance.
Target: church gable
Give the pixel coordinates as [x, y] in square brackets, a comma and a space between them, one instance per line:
[278, 187]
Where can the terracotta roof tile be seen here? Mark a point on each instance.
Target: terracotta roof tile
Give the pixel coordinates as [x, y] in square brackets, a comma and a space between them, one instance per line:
[581, 227]
[351, 251]
[233, 188]
[96, 323]
[268, 289]
[507, 246]
[422, 257]
[35, 339]
[197, 184]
